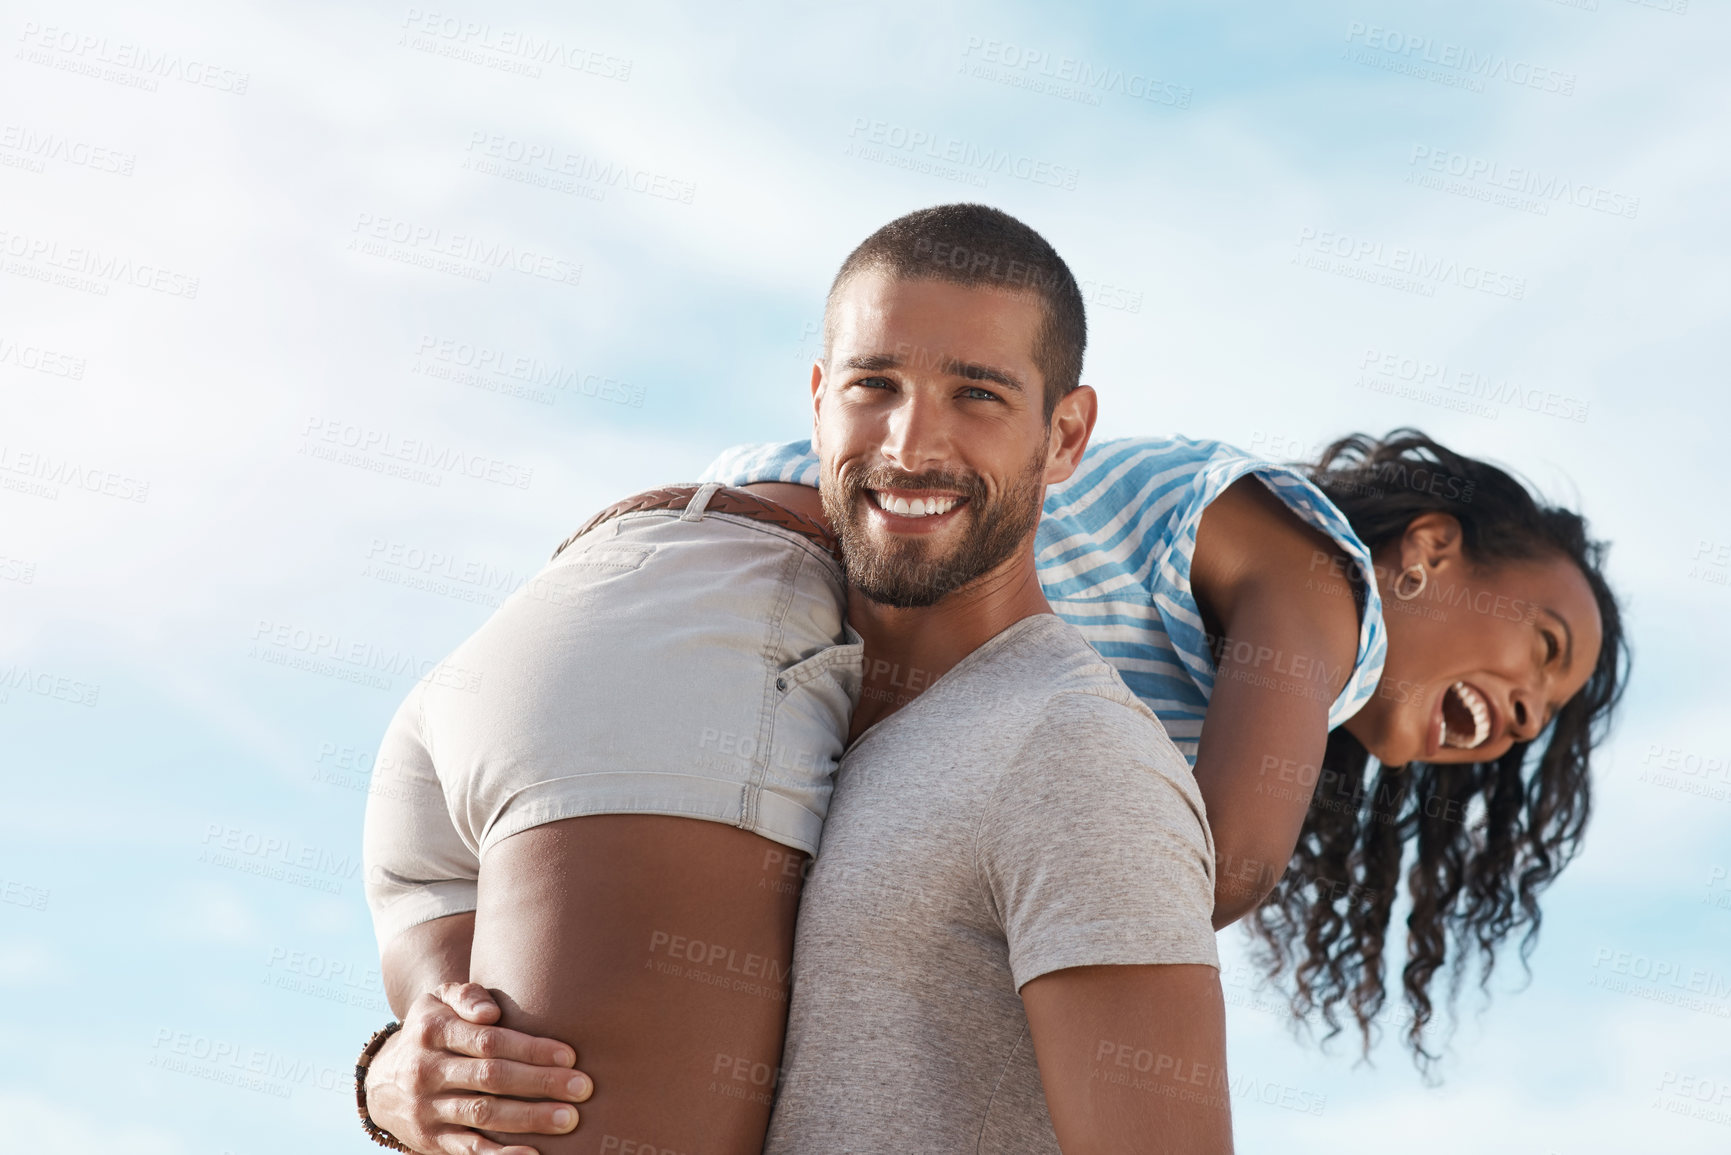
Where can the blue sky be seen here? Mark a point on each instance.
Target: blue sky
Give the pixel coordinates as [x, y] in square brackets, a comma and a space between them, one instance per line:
[236, 238]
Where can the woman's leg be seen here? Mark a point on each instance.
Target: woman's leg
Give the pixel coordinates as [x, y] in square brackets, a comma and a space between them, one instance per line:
[660, 948]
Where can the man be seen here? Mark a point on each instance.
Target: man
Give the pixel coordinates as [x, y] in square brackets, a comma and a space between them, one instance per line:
[1005, 942]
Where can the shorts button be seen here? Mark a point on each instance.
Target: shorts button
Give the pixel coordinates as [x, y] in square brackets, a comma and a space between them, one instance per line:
[781, 683]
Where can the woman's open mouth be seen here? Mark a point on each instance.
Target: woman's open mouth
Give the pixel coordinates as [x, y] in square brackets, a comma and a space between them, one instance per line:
[1466, 717]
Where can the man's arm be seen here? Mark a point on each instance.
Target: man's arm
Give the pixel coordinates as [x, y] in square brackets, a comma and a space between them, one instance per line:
[1289, 627]
[1096, 854]
[1133, 1058]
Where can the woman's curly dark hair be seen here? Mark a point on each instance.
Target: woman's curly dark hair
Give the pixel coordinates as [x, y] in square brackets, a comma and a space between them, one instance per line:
[1478, 843]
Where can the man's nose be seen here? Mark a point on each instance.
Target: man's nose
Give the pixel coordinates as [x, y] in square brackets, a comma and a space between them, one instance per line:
[917, 436]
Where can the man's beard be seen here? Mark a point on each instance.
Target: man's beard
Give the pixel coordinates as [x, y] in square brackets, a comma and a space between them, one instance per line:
[904, 572]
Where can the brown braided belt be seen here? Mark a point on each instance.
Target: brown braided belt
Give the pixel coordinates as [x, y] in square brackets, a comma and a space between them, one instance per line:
[726, 500]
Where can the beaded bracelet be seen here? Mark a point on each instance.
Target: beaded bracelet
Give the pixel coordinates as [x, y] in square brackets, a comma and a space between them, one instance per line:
[374, 1132]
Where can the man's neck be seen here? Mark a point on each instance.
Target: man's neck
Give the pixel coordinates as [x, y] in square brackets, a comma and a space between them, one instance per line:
[907, 650]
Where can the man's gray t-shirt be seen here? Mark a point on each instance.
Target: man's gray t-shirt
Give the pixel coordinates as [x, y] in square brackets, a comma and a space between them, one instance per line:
[1027, 813]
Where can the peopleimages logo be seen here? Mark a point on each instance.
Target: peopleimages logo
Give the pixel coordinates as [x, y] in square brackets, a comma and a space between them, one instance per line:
[1068, 77]
[57, 471]
[1412, 263]
[46, 146]
[1405, 52]
[388, 447]
[483, 254]
[584, 168]
[93, 262]
[970, 158]
[1661, 980]
[88, 53]
[362, 657]
[46, 684]
[477, 40]
[41, 360]
[496, 370]
[1545, 188]
[1424, 373]
[249, 1068]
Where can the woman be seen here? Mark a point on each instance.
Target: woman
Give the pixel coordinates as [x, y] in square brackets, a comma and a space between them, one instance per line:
[1173, 562]
[1499, 626]
[1479, 815]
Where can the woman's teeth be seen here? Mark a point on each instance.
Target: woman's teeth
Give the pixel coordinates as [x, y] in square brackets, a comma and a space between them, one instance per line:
[1474, 704]
[918, 507]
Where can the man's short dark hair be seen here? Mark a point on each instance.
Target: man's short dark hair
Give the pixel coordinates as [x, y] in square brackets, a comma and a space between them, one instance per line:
[968, 244]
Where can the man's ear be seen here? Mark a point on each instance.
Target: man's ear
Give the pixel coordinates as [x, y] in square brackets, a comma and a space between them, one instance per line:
[817, 382]
[1068, 432]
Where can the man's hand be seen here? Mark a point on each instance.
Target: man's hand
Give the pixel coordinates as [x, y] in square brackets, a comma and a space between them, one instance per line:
[446, 1071]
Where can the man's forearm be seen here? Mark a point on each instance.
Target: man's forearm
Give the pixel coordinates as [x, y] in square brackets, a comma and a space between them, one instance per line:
[424, 957]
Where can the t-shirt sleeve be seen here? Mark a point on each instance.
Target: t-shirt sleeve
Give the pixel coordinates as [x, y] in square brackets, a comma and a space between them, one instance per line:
[788, 461]
[417, 866]
[1095, 846]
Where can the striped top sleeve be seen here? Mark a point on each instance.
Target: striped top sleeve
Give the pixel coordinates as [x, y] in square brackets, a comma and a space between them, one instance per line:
[1114, 550]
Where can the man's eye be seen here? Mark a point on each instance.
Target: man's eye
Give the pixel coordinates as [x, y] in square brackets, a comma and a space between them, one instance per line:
[1551, 647]
[975, 393]
[876, 382]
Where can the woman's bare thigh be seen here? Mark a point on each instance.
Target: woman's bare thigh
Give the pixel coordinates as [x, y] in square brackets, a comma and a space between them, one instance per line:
[660, 948]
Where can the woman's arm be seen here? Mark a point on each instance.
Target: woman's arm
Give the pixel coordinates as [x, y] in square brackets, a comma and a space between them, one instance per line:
[449, 1068]
[426, 957]
[1288, 637]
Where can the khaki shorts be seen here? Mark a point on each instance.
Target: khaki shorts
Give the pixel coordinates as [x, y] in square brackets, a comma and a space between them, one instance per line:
[695, 664]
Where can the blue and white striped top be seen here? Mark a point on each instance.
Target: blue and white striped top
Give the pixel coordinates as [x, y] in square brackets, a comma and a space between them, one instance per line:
[1114, 549]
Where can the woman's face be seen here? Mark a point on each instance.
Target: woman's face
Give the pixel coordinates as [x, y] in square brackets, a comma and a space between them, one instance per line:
[1482, 657]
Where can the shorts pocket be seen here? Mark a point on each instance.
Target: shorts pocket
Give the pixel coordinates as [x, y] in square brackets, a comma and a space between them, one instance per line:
[842, 662]
[615, 557]
[814, 701]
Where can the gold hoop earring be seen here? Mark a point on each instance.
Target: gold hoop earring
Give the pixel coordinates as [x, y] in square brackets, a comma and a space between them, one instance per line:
[1400, 583]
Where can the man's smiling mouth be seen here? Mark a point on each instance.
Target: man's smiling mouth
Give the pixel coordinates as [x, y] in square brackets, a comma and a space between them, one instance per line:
[926, 505]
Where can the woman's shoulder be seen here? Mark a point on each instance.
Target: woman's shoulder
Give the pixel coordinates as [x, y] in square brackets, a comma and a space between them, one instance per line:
[1121, 470]
[1170, 448]
[1168, 481]
[790, 462]
[1195, 472]
[1172, 459]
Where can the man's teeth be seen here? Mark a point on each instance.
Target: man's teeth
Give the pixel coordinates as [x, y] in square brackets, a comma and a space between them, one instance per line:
[1477, 707]
[918, 507]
